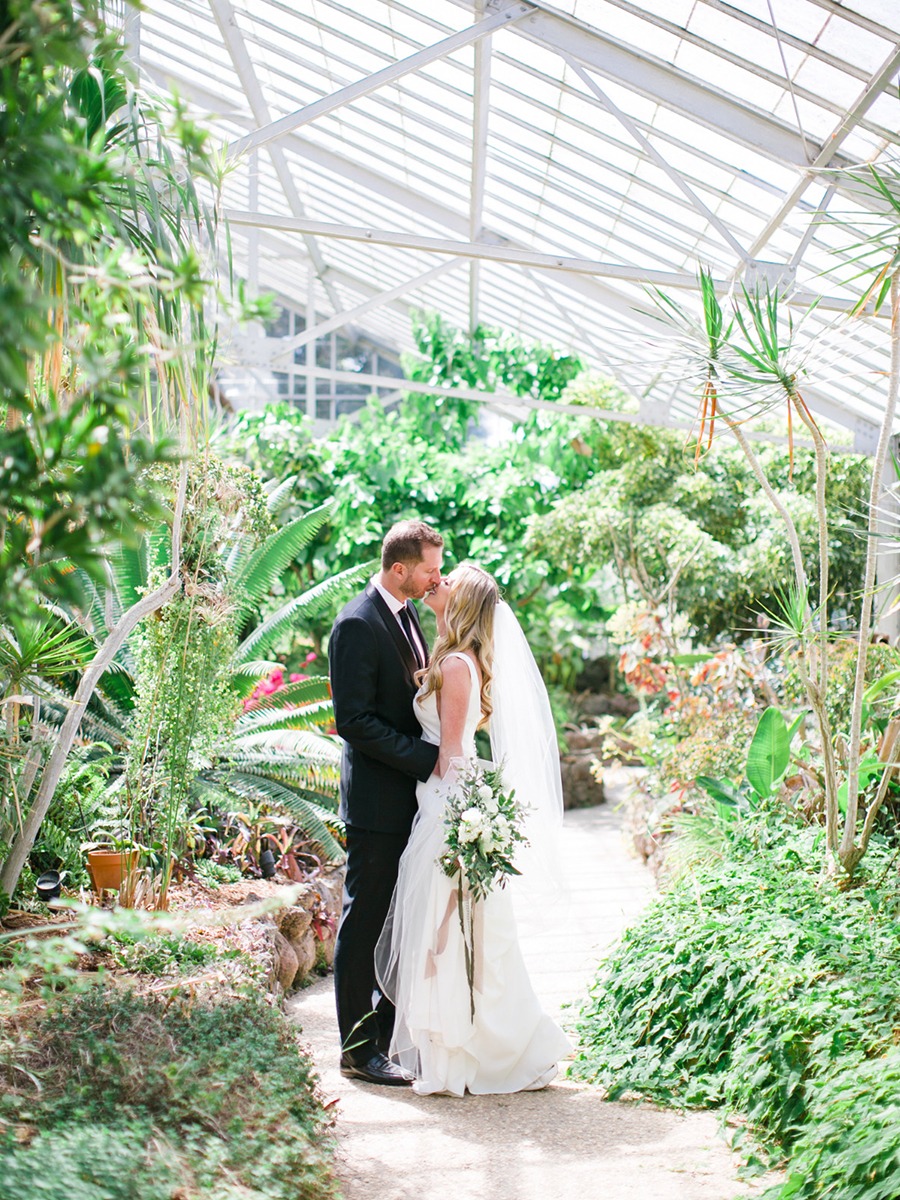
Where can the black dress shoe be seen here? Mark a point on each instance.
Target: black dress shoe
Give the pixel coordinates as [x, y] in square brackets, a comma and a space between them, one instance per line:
[377, 1069]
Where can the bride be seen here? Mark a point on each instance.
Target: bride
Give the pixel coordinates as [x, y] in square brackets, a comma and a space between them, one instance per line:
[481, 670]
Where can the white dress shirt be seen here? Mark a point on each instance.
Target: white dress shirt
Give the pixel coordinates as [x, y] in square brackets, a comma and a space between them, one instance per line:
[395, 606]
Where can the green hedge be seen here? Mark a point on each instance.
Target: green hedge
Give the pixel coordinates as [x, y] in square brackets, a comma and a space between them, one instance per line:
[141, 1097]
[756, 984]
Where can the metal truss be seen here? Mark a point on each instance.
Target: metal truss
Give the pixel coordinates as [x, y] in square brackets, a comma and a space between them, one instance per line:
[600, 101]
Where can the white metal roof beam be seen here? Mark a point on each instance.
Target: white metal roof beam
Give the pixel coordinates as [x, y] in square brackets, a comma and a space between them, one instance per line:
[554, 406]
[370, 83]
[481, 250]
[666, 85]
[599, 293]
[480, 114]
[789, 39]
[838, 9]
[826, 157]
[289, 345]
[653, 154]
[508, 253]
[234, 43]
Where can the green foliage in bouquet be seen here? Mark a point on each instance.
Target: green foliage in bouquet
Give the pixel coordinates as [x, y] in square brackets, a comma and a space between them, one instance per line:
[483, 823]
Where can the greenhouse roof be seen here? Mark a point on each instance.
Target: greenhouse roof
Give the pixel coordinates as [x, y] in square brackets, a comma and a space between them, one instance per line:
[538, 167]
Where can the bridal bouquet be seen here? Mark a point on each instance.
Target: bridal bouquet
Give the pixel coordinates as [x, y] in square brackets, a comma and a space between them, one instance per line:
[483, 824]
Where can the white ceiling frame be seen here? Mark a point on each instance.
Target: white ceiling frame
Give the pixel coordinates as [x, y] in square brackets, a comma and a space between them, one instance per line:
[480, 115]
[482, 250]
[870, 93]
[506, 252]
[287, 346]
[234, 43]
[654, 155]
[666, 85]
[586, 286]
[370, 83]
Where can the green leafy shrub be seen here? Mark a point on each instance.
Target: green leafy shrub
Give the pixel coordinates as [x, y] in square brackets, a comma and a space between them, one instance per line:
[213, 874]
[754, 983]
[161, 955]
[850, 1147]
[224, 1084]
[90, 1163]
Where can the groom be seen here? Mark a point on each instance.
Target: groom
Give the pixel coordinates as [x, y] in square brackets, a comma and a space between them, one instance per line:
[375, 649]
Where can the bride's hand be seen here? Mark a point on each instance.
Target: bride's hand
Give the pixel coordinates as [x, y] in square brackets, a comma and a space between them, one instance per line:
[449, 765]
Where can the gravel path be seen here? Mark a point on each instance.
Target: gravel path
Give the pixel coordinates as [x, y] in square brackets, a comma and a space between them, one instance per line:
[565, 1143]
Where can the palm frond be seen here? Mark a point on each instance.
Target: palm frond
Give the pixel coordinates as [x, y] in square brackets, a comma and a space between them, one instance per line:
[238, 553]
[316, 822]
[279, 492]
[254, 579]
[129, 569]
[306, 606]
[310, 716]
[43, 648]
[314, 747]
[323, 779]
[304, 691]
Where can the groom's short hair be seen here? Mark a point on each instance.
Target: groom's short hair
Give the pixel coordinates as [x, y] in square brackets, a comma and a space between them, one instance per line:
[403, 543]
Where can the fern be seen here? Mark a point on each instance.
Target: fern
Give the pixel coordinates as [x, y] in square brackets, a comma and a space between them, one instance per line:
[279, 492]
[308, 605]
[254, 579]
[319, 824]
[312, 716]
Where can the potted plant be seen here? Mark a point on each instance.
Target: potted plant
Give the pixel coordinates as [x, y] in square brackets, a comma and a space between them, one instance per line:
[111, 866]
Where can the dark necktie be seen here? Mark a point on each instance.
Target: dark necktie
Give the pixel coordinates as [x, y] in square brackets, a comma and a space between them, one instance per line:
[406, 622]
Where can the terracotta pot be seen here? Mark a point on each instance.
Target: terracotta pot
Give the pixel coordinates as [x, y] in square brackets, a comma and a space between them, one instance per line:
[108, 868]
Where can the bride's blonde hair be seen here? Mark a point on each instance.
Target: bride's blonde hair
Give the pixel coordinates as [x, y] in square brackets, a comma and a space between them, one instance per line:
[469, 620]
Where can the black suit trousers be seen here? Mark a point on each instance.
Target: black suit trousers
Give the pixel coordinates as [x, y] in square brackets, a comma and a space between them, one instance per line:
[365, 1017]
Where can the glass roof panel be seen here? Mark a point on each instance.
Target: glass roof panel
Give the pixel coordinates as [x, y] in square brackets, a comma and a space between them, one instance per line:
[734, 106]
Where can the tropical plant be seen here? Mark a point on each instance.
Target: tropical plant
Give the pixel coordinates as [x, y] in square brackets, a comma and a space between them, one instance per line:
[744, 365]
[100, 277]
[184, 726]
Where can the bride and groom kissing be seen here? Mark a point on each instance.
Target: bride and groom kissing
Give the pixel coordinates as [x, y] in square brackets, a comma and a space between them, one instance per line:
[408, 721]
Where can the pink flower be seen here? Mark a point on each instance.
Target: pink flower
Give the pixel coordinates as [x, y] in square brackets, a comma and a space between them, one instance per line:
[295, 678]
[312, 656]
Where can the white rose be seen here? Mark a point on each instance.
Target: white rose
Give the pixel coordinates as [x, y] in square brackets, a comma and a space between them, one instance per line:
[471, 825]
[486, 843]
[484, 793]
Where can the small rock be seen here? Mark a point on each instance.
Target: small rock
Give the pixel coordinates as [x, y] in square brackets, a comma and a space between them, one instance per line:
[286, 961]
[295, 925]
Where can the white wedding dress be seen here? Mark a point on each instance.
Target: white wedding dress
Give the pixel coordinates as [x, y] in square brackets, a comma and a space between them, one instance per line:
[510, 1045]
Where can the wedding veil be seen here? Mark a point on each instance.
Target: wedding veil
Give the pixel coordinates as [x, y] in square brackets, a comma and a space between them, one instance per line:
[524, 745]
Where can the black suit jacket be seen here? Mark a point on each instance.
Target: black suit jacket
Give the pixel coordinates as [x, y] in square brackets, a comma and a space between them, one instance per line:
[373, 685]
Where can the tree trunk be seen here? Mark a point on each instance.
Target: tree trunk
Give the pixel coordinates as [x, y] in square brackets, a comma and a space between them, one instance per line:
[850, 854]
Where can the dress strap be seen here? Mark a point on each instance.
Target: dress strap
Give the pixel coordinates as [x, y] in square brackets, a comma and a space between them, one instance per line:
[463, 655]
